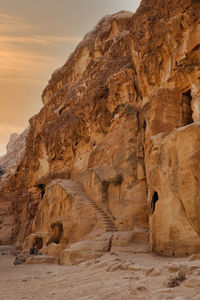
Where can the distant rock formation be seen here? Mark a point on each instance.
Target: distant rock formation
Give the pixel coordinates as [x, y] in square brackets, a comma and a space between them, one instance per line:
[8, 165]
[15, 151]
[116, 145]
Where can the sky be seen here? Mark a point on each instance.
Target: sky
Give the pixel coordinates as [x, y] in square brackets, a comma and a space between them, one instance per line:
[36, 38]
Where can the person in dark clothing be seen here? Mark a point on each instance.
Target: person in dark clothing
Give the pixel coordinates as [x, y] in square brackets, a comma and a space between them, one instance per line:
[33, 250]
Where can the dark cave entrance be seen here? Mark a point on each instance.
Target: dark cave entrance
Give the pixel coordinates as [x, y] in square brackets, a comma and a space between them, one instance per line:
[144, 126]
[187, 108]
[153, 202]
[38, 243]
[42, 189]
[56, 233]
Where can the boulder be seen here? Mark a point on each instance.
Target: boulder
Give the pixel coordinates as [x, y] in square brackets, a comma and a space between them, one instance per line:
[82, 251]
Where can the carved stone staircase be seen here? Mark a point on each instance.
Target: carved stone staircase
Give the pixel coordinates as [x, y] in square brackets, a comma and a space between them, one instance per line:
[75, 188]
[105, 219]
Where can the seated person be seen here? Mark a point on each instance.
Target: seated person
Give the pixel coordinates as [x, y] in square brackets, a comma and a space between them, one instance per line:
[33, 250]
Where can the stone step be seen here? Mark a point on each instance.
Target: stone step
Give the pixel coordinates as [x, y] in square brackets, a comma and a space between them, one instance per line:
[109, 225]
[103, 217]
[107, 221]
[106, 218]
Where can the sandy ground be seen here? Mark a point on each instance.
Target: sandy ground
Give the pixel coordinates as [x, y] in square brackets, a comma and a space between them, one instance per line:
[114, 276]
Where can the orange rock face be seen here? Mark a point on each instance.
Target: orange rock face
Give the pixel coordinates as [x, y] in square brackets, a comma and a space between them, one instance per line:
[174, 175]
[103, 154]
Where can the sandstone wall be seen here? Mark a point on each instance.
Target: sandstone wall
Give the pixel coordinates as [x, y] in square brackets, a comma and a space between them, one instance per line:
[173, 172]
[90, 105]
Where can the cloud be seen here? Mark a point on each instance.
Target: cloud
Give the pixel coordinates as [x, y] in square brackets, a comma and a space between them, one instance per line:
[26, 61]
[12, 24]
[10, 40]
[25, 56]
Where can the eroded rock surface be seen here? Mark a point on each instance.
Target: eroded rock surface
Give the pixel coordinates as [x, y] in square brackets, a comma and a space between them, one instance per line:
[8, 165]
[174, 177]
[116, 136]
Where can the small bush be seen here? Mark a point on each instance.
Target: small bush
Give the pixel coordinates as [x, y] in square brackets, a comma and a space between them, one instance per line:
[181, 273]
[175, 280]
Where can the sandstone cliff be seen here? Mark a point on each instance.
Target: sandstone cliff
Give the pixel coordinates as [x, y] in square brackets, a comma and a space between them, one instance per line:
[8, 165]
[116, 144]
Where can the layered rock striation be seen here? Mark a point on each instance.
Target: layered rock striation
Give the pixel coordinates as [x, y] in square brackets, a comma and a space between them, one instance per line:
[116, 145]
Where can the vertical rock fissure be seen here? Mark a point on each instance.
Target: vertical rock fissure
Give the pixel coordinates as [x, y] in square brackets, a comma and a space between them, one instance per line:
[42, 189]
[153, 202]
[187, 108]
[110, 243]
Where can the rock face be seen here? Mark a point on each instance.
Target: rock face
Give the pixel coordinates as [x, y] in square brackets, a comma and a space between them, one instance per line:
[174, 175]
[15, 151]
[6, 218]
[90, 105]
[8, 165]
[116, 144]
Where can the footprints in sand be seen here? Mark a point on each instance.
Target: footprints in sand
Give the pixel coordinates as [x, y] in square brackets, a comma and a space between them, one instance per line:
[154, 277]
[113, 276]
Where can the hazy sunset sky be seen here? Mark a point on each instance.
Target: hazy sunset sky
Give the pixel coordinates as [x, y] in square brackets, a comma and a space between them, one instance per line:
[36, 37]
